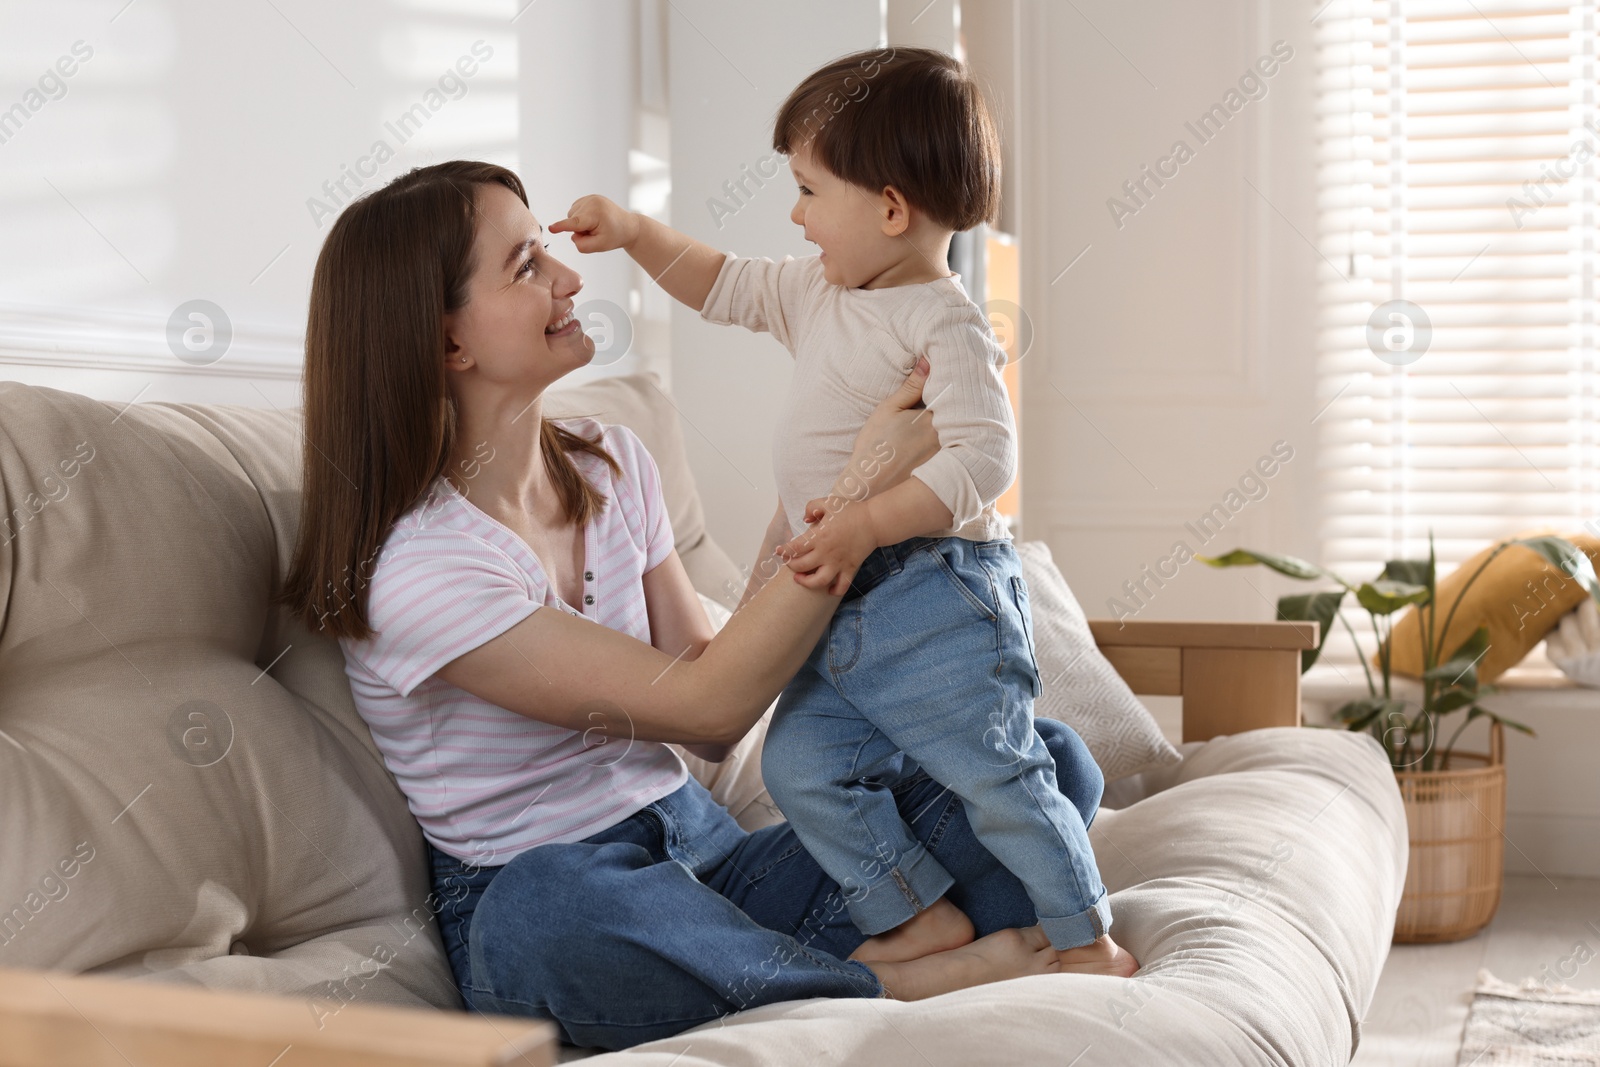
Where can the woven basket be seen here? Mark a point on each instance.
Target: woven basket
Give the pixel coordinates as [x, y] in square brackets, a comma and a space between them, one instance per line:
[1456, 817]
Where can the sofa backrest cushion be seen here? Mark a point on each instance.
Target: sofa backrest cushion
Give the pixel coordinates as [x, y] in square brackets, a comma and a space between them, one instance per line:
[187, 788]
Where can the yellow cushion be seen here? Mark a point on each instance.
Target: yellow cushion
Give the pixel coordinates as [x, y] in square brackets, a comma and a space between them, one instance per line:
[1519, 597]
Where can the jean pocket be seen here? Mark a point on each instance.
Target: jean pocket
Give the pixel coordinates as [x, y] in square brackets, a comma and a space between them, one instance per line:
[1019, 596]
[844, 638]
[989, 614]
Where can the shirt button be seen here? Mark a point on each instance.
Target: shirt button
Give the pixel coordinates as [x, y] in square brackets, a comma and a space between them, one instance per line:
[588, 600]
[588, 576]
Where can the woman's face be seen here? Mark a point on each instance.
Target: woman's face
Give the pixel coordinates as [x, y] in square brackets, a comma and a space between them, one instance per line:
[518, 295]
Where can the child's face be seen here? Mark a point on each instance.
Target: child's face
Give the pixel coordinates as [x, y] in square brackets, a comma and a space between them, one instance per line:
[845, 221]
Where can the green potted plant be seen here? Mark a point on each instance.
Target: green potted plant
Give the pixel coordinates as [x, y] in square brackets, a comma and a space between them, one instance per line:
[1455, 813]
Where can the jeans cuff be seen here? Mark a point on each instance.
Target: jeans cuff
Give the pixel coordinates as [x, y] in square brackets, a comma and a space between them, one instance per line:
[1084, 928]
[899, 893]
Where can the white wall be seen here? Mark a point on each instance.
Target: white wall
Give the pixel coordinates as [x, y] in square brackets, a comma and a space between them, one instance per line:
[1177, 350]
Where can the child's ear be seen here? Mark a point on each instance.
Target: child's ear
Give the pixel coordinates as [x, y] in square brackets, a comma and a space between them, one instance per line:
[896, 212]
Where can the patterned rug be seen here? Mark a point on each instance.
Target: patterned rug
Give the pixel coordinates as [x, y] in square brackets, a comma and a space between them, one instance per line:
[1530, 1025]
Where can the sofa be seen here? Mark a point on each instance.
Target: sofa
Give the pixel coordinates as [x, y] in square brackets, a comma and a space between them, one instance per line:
[205, 860]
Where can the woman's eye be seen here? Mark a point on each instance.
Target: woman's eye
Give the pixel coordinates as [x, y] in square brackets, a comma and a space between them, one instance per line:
[528, 267]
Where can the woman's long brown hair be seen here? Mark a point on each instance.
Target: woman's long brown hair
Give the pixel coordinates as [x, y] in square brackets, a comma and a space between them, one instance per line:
[380, 424]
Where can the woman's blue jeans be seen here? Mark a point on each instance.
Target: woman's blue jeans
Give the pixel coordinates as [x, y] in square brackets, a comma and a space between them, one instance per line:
[675, 916]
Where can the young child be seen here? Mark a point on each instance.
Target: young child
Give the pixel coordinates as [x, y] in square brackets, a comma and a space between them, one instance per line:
[928, 659]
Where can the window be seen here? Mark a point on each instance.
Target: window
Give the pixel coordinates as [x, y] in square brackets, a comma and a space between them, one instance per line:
[1457, 171]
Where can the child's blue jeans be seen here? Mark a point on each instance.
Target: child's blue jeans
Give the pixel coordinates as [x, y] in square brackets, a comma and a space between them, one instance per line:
[928, 662]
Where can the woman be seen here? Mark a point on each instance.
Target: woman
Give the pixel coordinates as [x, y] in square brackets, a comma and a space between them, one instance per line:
[587, 878]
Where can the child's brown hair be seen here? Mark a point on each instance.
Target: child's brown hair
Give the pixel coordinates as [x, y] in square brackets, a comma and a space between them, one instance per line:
[912, 118]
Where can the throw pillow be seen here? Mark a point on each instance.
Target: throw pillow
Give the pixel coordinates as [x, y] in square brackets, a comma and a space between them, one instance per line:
[1519, 597]
[1081, 687]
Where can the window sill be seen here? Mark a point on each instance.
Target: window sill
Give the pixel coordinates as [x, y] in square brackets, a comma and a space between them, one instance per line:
[1529, 685]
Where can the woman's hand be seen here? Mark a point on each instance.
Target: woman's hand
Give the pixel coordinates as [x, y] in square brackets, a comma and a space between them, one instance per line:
[598, 225]
[897, 437]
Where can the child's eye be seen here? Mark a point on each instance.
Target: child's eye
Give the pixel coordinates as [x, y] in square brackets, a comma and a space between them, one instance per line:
[804, 191]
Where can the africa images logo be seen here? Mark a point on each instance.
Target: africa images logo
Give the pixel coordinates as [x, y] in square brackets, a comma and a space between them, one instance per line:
[1399, 332]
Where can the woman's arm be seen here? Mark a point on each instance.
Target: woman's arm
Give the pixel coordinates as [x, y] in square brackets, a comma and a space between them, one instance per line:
[678, 625]
[767, 561]
[577, 674]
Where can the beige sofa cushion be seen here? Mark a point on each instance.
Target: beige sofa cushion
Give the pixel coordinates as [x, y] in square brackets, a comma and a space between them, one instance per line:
[188, 791]
[235, 826]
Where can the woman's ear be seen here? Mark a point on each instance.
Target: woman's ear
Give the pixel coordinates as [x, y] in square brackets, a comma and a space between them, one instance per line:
[895, 210]
[454, 356]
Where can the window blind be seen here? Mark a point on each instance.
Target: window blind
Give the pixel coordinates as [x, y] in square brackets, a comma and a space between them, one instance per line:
[1457, 171]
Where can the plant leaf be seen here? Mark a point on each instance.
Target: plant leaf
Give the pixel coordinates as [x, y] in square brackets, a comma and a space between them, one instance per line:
[1568, 558]
[1385, 596]
[1514, 724]
[1453, 700]
[1410, 571]
[1311, 607]
[1461, 669]
[1289, 565]
[1359, 714]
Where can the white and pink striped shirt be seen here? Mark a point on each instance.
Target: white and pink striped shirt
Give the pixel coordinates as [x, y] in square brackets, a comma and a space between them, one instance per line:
[486, 783]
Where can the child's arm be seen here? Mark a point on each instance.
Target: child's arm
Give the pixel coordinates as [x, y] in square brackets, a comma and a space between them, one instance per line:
[910, 509]
[969, 406]
[762, 295]
[684, 267]
[845, 529]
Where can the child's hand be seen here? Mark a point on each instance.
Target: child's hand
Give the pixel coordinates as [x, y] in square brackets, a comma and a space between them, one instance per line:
[598, 225]
[830, 552]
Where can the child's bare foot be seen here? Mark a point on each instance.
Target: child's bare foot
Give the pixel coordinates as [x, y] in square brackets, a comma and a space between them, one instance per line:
[937, 928]
[1100, 956]
[1009, 953]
